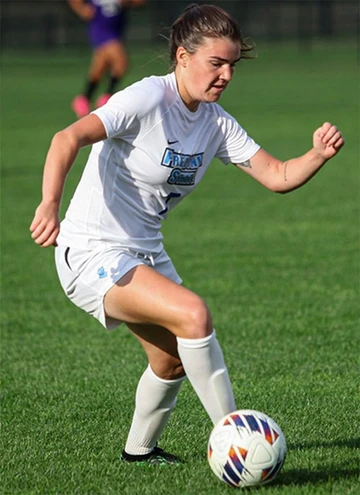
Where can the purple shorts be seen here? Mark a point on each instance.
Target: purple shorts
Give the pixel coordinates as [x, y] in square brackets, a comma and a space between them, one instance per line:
[103, 29]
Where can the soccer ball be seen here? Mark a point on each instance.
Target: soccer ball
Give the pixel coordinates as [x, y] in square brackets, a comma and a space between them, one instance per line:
[246, 448]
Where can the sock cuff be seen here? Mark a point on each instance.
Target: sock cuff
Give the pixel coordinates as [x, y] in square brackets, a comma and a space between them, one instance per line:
[197, 343]
[162, 380]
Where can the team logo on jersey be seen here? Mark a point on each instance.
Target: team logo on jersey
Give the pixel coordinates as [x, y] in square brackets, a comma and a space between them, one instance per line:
[184, 167]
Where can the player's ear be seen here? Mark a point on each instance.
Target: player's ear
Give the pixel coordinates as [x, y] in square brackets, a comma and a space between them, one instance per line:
[182, 56]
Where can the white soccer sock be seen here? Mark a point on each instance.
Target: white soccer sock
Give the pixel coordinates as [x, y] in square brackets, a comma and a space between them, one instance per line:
[204, 366]
[155, 399]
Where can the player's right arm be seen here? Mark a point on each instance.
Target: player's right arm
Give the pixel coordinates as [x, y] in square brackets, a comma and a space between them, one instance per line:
[63, 150]
[83, 9]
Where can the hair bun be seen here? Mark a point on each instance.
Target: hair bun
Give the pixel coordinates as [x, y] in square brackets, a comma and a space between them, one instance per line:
[191, 6]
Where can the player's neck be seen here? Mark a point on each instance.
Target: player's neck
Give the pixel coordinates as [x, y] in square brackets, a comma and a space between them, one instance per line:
[190, 103]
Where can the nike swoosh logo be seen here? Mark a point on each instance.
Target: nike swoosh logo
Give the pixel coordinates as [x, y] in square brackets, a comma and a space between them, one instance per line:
[172, 142]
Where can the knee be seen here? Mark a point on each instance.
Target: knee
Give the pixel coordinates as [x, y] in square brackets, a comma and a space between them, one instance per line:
[197, 320]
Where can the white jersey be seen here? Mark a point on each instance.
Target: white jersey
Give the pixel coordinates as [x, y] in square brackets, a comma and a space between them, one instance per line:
[155, 154]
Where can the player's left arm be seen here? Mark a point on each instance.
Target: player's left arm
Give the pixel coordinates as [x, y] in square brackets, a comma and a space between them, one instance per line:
[83, 9]
[285, 176]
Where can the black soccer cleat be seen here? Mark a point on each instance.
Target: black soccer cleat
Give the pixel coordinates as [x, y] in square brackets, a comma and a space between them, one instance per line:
[156, 456]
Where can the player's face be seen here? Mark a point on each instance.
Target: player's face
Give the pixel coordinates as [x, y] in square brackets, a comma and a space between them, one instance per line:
[206, 73]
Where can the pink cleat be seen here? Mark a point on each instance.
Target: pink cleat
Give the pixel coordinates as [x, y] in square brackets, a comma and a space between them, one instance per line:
[81, 106]
[102, 100]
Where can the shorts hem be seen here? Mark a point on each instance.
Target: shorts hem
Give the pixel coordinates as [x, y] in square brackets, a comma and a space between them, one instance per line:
[108, 322]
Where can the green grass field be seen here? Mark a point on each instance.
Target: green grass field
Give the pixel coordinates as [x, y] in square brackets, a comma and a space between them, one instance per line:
[280, 274]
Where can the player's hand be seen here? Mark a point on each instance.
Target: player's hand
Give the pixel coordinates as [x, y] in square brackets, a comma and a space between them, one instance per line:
[327, 140]
[83, 9]
[45, 225]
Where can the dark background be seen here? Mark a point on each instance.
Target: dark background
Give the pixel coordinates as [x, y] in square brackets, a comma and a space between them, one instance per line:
[51, 24]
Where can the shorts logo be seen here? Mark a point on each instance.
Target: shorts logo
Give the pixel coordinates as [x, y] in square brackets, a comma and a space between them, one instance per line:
[184, 167]
[102, 272]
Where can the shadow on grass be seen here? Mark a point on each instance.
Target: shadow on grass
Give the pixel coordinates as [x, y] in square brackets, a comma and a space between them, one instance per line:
[300, 477]
[352, 443]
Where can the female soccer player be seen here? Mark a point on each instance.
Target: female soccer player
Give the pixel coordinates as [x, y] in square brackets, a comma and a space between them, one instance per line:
[152, 144]
[106, 27]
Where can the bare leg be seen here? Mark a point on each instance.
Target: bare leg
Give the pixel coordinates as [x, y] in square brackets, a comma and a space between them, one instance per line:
[108, 58]
[160, 347]
[118, 59]
[99, 64]
[143, 296]
[111, 56]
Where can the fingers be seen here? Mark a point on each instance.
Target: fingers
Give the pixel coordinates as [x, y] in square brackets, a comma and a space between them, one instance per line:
[331, 136]
[44, 233]
[34, 224]
[47, 238]
[45, 226]
[337, 141]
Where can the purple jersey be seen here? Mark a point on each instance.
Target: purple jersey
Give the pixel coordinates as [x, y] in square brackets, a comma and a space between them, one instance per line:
[108, 23]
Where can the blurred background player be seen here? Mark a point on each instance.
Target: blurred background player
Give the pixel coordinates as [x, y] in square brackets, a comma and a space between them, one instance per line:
[106, 29]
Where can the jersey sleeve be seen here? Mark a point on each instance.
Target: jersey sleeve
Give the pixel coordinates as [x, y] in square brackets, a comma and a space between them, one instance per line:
[127, 112]
[236, 146]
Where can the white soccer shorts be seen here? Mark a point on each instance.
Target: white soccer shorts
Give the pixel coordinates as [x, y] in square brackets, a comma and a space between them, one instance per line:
[86, 276]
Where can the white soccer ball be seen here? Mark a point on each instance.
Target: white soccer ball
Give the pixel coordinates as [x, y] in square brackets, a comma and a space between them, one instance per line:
[246, 448]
